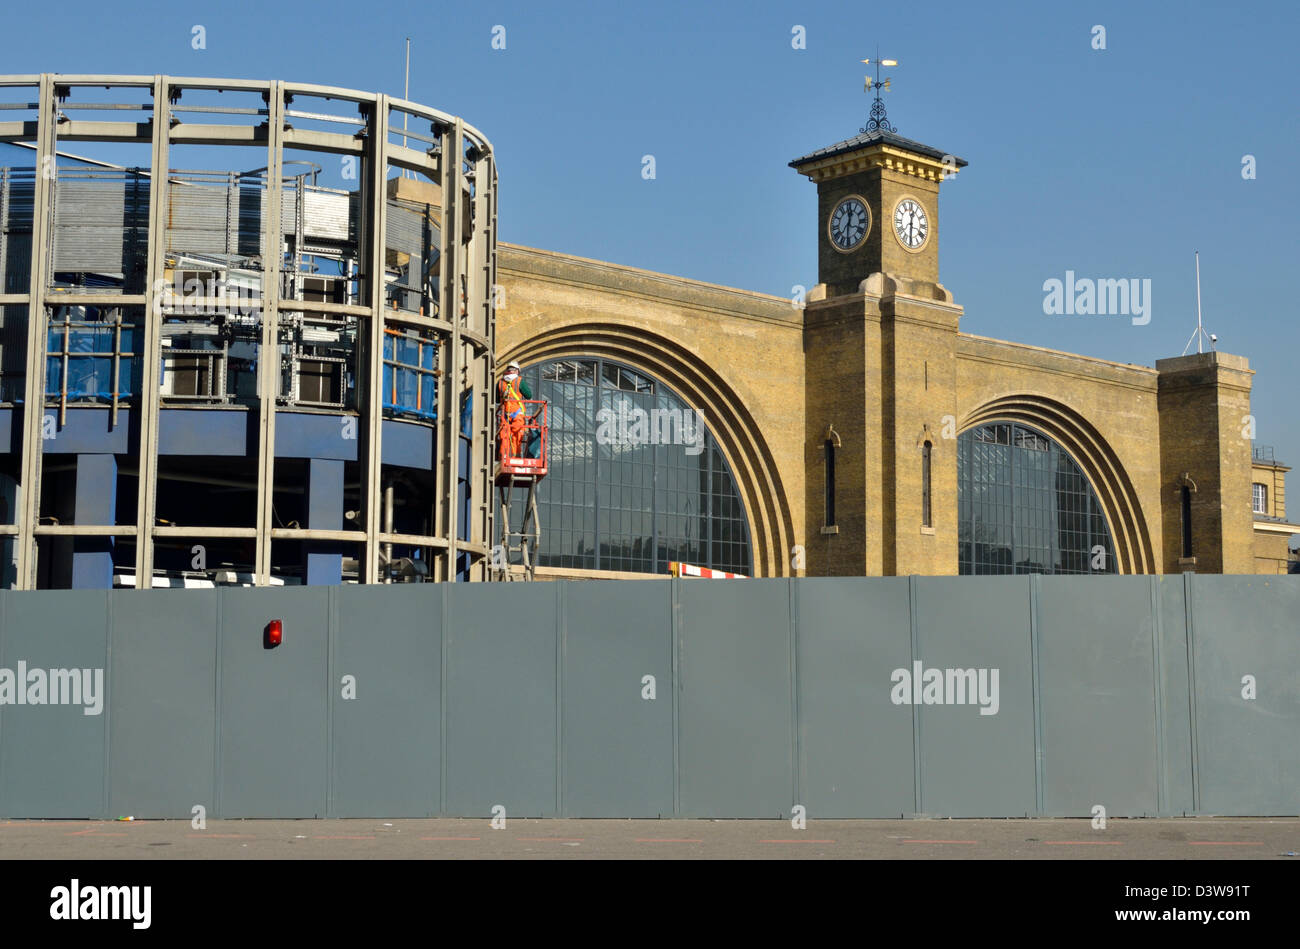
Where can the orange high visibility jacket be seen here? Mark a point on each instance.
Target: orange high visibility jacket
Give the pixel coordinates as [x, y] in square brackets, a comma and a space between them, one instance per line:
[511, 393]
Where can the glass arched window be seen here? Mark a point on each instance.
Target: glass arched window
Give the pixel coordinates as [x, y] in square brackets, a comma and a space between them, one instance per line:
[636, 480]
[1025, 506]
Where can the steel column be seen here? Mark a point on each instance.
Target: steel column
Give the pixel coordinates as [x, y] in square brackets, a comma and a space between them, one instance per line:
[451, 264]
[268, 357]
[34, 384]
[148, 398]
[371, 357]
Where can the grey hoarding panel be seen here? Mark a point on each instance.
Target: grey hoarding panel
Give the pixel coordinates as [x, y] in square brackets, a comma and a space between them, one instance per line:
[501, 705]
[1174, 696]
[1098, 718]
[272, 744]
[735, 701]
[1247, 751]
[163, 703]
[52, 757]
[855, 746]
[616, 745]
[974, 764]
[385, 739]
[169, 669]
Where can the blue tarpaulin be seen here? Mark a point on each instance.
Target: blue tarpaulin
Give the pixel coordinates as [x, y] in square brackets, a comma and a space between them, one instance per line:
[406, 390]
[91, 376]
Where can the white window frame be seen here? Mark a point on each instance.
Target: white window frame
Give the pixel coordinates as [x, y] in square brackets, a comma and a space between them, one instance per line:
[1259, 497]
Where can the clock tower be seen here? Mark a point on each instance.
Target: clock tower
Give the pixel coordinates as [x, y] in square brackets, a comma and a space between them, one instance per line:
[877, 207]
[880, 344]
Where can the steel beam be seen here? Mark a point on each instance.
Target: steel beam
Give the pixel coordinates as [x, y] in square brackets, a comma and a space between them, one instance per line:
[231, 532]
[61, 297]
[86, 530]
[412, 160]
[186, 134]
[19, 131]
[303, 533]
[74, 130]
[333, 142]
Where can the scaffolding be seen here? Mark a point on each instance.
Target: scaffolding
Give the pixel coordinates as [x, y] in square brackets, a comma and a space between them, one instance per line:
[155, 289]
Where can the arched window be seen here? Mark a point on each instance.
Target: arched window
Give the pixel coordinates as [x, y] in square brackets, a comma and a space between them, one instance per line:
[636, 480]
[926, 450]
[1025, 506]
[829, 449]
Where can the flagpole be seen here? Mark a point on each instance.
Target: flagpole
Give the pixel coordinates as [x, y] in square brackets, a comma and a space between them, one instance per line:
[406, 92]
[1200, 333]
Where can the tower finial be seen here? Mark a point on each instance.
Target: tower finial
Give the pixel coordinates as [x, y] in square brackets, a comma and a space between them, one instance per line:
[878, 121]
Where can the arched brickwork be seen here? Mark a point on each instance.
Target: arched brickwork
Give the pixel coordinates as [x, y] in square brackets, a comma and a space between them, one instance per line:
[738, 434]
[1129, 532]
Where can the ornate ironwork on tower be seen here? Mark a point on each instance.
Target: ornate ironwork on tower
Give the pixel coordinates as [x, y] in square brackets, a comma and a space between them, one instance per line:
[879, 121]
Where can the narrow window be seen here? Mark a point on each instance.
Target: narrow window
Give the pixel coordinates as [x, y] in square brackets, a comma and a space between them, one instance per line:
[830, 483]
[1260, 497]
[925, 485]
[1187, 521]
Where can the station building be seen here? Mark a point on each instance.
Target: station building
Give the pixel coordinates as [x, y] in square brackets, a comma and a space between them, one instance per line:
[249, 378]
[861, 432]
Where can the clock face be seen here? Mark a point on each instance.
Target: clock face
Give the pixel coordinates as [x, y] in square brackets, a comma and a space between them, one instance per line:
[849, 223]
[910, 224]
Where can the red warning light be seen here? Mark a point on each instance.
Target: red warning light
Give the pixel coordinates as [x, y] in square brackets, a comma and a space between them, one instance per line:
[274, 633]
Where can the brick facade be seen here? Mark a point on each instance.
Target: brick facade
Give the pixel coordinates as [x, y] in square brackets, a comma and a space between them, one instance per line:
[875, 362]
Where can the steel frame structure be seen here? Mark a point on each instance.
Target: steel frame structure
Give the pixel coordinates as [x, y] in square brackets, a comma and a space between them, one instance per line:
[459, 159]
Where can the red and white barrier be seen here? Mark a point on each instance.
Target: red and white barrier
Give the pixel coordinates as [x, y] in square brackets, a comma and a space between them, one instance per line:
[704, 573]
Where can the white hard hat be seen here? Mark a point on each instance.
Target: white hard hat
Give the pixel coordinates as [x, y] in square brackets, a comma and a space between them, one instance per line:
[513, 365]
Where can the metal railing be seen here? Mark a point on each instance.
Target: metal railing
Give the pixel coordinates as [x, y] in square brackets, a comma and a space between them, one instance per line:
[410, 371]
[84, 362]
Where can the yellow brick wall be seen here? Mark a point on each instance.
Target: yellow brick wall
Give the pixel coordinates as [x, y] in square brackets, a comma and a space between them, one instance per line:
[732, 355]
[888, 368]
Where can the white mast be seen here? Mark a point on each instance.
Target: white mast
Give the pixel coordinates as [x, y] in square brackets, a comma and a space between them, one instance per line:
[1200, 334]
[1199, 331]
[406, 91]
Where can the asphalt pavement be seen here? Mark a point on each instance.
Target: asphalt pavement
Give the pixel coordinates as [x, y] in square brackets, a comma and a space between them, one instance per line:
[925, 839]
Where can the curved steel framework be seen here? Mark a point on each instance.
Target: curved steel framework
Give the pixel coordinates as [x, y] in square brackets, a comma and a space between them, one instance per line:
[374, 303]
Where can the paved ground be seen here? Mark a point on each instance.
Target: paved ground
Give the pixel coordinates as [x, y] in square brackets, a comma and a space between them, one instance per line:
[1185, 838]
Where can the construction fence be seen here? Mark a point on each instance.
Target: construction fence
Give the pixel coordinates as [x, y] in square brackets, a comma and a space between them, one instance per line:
[854, 698]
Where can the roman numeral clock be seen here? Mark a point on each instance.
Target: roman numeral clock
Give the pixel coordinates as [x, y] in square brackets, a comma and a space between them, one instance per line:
[878, 201]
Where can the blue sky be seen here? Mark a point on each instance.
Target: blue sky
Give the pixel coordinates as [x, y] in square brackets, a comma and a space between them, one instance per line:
[1112, 163]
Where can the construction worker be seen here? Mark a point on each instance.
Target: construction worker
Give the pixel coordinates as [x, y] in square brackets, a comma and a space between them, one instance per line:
[512, 390]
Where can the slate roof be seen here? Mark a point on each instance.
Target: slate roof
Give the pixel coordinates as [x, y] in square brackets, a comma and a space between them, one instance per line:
[1270, 519]
[874, 138]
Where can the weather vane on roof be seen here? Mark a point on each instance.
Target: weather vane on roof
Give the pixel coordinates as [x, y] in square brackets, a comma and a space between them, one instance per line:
[878, 122]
